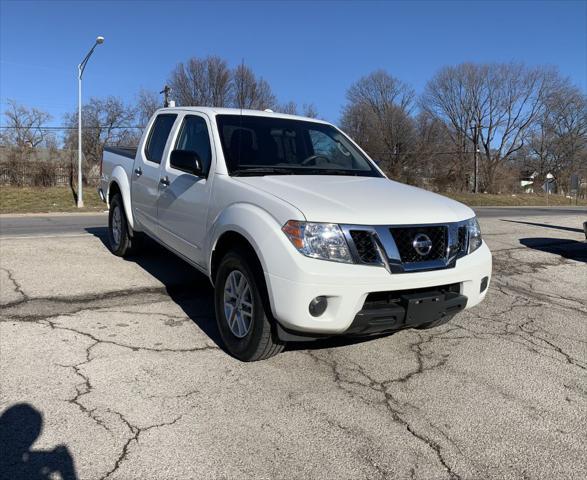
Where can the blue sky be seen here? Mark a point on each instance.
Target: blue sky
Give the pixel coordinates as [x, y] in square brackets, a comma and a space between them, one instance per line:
[309, 51]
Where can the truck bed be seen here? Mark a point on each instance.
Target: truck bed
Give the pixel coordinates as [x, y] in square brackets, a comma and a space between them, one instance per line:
[129, 152]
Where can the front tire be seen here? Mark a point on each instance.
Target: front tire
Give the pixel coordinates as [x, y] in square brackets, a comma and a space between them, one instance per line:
[119, 237]
[242, 308]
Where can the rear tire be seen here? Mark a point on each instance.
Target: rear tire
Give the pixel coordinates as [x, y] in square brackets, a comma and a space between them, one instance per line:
[242, 308]
[119, 235]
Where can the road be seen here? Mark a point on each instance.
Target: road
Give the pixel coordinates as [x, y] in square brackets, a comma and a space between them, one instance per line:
[118, 365]
[77, 224]
[51, 224]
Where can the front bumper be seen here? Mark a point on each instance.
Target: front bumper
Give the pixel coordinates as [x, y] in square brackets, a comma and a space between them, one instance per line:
[348, 286]
[414, 309]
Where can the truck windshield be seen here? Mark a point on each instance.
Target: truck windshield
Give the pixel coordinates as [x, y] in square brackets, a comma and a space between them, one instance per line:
[255, 145]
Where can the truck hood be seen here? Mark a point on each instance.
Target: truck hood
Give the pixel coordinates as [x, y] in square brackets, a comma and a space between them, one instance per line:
[360, 200]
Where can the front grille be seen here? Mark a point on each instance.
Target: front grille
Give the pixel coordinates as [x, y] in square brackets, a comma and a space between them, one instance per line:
[365, 246]
[404, 238]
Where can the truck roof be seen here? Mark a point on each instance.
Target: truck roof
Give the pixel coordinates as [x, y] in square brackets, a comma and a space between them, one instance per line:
[213, 111]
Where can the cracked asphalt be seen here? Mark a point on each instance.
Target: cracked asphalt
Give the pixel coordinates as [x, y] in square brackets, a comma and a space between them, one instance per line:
[119, 361]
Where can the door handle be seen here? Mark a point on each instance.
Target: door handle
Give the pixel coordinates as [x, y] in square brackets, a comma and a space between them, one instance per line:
[138, 171]
[164, 181]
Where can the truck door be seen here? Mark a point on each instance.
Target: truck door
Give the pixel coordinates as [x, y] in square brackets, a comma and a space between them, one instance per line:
[146, 172]
[184, 197]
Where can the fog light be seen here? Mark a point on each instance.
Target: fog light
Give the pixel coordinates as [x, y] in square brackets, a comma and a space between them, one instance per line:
[318, 306]
[484, 283]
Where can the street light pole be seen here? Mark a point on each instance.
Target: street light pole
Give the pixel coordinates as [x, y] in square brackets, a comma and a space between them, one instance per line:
[80, 72]
[476, 169]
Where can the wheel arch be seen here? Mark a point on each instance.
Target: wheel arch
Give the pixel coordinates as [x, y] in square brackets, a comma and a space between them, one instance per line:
[119, 184]
[227, 241]
[257, 229]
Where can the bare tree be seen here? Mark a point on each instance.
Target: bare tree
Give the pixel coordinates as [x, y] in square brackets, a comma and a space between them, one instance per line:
[24, 127]
[104, 121]
[559, 140]
[491, 106]
[202, 82]
[147, 104]
[309, 110]
[290, 108]
[251, 92]
[433, 156]
[377, 115]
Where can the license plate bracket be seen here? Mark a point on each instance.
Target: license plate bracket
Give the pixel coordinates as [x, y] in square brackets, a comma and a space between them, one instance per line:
[423, 307]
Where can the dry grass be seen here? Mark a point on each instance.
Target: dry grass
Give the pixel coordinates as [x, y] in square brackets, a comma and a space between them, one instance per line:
[520, 200]
[49, 199]
[61, 199]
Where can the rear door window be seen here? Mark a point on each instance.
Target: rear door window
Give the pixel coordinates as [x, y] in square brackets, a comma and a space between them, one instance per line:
[158, 137]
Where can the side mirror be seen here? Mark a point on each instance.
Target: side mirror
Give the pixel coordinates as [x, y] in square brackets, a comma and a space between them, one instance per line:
[186, 161]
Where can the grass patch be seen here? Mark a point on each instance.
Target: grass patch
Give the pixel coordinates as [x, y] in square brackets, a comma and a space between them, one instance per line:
[519, 200]
[61, 199]
[44, 200]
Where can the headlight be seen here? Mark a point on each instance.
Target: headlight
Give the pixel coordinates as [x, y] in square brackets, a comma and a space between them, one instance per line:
[318, 240]
[475, 239]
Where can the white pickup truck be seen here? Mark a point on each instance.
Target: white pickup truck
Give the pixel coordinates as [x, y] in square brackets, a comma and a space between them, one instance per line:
[299, 231]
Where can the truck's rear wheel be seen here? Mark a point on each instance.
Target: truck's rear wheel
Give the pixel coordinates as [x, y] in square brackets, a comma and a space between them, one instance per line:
[242, 310]
[119, 237]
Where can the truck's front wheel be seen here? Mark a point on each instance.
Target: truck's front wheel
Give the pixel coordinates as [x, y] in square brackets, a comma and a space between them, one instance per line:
[242, 311]
[119, 237]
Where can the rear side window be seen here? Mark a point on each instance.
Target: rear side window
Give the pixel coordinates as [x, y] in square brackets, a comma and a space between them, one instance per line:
[194, 136]
[158, 137]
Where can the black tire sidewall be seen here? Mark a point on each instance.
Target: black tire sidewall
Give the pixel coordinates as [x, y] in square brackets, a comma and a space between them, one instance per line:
[242, 348]
[122, 247]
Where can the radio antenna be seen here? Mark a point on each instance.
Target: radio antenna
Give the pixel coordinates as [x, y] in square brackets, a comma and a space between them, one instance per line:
[241, 102]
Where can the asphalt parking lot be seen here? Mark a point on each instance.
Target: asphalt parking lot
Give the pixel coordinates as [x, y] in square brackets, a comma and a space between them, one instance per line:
[111, 369]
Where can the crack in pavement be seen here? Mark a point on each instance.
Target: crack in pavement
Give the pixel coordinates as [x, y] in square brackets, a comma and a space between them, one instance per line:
[134, 437]
[84, 388]
[416, 349]
[17, 288]
[357, 434]
[393, 406]
[540, 295]
[531, 335]
[507, 266]
[97, 340]
[50, 307]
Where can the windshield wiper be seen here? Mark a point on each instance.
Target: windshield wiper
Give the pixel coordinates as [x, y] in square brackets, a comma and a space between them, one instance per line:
[335, 171]
[282, 170]
[243, 172]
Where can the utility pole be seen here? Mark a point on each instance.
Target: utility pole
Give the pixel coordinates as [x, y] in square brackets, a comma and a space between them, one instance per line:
[166, 92]
[475, 130]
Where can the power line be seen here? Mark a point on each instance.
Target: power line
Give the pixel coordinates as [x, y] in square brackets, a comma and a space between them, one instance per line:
[11, 127]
